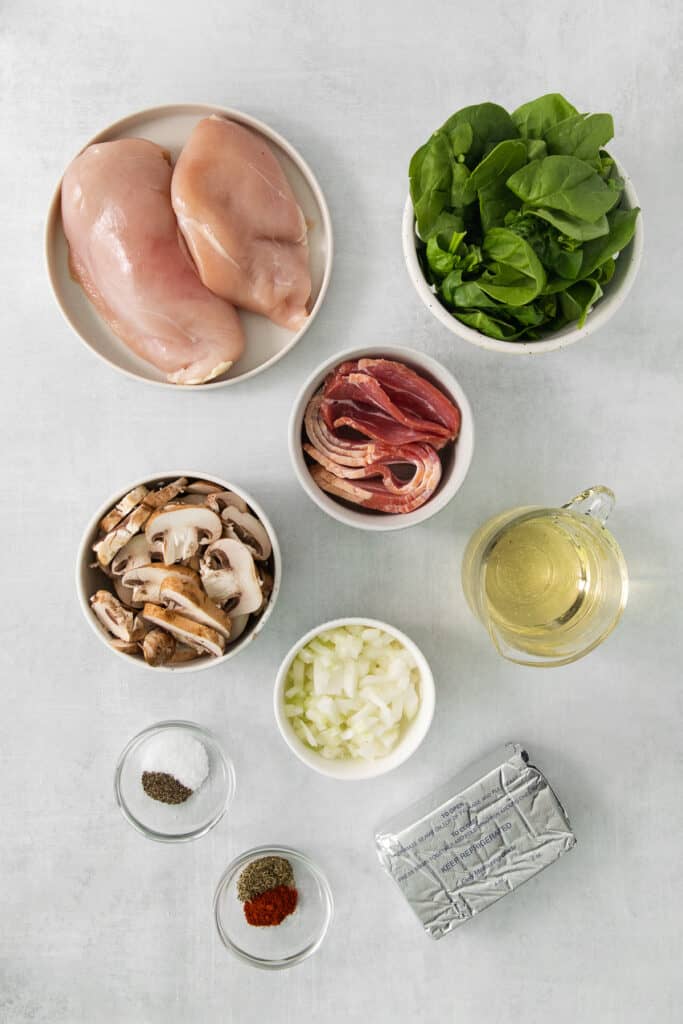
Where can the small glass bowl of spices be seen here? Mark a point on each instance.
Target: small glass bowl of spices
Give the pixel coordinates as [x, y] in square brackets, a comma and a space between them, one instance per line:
[273, 907]
[173, 782]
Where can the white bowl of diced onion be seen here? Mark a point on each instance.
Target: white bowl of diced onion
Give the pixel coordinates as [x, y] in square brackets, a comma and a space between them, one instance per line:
[354, 698]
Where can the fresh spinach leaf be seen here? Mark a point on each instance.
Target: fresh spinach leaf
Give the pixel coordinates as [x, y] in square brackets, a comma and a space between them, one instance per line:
[582, 230]
[533, 119]
[582, 136]
[576, 302]
[493, 327]
[536, 149]
[447, 222]
[514, 274]
[461, 138]
[564, 183]
[495, 202]
[489, 123]
[460, 186]
[622, 225]
[503, 160]
[441, 252]
[430, 181]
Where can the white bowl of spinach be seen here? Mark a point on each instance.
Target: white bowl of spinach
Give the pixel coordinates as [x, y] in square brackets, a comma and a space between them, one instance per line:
[521, 233]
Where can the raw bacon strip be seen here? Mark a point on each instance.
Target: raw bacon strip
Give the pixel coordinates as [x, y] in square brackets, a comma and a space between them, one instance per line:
[390, 494]
[413, 394]
[329, 445]
[388, 402]
[373, 433]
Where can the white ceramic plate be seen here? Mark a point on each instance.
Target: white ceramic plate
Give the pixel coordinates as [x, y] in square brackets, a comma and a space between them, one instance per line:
[265, 342]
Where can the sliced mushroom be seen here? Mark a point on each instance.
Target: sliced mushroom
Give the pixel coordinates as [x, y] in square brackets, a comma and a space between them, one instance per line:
[194, 562]
[238, 624]
[202, 487]
[136, 552]
[121, 509]
[246, 527]
[178, 530]
[158, 647]
[155, 499]
[145, 581]
[120, 622]
[229, 577]
[189, 599]
[184, 653]
[116, 539]
[267, 582]
[193, 634]
[125, 594]
[218, 500]
[191, 499]
[124, 646]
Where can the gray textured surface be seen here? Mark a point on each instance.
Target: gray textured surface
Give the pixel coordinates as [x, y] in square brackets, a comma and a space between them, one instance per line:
[96, 924]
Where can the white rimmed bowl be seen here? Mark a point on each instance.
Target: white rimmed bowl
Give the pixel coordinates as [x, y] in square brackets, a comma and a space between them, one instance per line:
[627, 265]
[89, 579]
[455, 458]
[266, 343]
[410, 739]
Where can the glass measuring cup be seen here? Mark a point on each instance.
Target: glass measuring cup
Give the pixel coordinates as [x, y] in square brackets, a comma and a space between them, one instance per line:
[549, 584]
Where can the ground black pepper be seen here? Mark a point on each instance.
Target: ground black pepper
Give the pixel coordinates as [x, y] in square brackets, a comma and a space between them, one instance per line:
[262, 875]
[163, 787]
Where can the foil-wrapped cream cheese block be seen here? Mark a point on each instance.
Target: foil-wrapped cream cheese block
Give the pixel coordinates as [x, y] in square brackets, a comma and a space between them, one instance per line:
[474, 840]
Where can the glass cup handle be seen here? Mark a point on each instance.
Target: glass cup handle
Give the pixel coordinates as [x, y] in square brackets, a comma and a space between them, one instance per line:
[597, 502]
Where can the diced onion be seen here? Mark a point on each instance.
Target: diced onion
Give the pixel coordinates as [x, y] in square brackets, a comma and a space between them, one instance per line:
[351, 691]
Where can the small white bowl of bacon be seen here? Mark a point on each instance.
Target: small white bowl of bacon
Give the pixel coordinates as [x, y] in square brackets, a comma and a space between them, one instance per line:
[381, 438]
[178, 572]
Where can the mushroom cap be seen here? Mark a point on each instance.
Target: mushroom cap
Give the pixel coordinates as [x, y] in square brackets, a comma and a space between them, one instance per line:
[158, 647]
[244, 526]
[201, 638]
[180, 529]
[136, 552]
[229, 575]
[117, 620]
[122, 507]
[146, 580]
[218, 500]
[187, 597]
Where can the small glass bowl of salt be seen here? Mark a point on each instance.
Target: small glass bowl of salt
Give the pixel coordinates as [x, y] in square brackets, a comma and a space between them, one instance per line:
[173, 782]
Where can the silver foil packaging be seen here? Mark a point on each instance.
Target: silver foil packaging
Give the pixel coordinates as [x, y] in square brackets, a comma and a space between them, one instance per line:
[475, 839]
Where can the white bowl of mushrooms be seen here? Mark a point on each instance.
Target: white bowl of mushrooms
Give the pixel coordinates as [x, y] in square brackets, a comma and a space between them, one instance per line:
[179, 571]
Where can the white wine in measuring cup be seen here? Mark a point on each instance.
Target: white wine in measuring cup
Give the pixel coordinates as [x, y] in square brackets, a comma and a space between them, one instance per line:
[548, 584]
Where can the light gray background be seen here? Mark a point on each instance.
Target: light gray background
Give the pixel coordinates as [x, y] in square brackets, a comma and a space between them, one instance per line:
[96, 923]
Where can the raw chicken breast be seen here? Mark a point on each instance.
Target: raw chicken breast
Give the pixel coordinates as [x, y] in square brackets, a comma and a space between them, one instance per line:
[126, 252]
[241, 221]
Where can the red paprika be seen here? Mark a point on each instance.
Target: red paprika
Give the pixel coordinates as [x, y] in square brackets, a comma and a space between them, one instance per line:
[271, 907]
